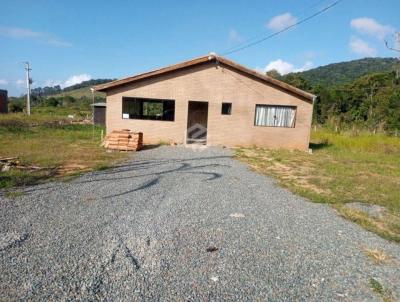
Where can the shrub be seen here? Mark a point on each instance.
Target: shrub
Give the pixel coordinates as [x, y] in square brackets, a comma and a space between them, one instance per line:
[53, 102]
[14, 125]
[16, 106]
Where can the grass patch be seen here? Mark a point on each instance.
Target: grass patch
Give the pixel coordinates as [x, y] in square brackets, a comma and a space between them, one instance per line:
[16, 178]
[378, 256]
[377, 287]
[102, 167]
[50, 141]
[13, 194]
[343, 169]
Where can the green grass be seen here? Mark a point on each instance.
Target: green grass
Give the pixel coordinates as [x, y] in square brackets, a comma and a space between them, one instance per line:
[14, 194]
[377, 287]
[343, 168]
[15, 178]
[48, 141]
[61, 112]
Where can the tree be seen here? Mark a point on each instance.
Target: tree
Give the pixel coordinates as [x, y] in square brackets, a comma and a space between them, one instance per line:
[273, 73]
[297, 81]
[393, 112]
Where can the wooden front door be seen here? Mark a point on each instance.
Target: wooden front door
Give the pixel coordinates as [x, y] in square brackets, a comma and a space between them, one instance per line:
[197, 122]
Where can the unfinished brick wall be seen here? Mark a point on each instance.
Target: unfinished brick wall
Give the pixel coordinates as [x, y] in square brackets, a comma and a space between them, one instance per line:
[215, 85]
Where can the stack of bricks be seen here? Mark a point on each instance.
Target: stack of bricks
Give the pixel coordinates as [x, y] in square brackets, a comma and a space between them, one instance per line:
[124, 140]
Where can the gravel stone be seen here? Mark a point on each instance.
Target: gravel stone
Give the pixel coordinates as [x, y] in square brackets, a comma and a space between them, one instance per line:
[140, 232]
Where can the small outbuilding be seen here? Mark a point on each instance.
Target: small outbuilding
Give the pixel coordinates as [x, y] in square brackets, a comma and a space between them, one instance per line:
[99, 111]
[210, 100]
[3, 101]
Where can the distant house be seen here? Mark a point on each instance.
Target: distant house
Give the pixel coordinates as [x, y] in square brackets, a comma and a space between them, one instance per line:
[3, 101]
[210, 100]
[99, 113]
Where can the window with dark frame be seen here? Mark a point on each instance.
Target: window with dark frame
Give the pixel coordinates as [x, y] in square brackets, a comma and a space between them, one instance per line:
[148, 109]
[226, 109]
[275, 116]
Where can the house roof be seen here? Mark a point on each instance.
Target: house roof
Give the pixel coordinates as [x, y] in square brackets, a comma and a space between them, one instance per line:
[201, 60]
[99, 105]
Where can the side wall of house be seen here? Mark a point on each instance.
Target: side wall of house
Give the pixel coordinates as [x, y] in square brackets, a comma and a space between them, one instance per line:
[214, 84]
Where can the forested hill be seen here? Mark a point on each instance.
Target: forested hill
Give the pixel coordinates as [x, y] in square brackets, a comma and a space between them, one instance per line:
[346, 72]
[50, 91]
[363, 93]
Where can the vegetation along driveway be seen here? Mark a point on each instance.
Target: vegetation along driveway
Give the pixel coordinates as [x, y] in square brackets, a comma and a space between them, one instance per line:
[177, 224]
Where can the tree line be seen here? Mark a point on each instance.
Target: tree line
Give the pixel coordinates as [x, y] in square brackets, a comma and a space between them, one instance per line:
[18, 104]
[369, 102]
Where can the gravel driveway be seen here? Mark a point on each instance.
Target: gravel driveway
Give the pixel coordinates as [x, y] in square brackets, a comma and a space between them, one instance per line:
[177, 224]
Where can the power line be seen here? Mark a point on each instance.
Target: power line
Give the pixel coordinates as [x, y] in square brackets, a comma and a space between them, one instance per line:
[305, 10]
[397, 49]
[284, 29]
[299, 13]
[397, 43]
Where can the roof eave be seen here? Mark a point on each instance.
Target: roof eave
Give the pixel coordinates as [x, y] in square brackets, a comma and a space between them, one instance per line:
[152, 73]
[200, 60]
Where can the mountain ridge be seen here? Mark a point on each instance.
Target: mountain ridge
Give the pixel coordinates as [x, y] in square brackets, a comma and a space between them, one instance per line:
[327, 75]
[347, 71]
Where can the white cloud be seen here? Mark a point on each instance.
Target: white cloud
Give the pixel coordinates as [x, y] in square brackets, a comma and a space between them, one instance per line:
[281, 21]
[24, 33]
[72, 80]
[281, 66]
[20, 82]
[307, 65]
[234, 37]
[52, 83]
[3, 82]
[284, 67]
[361, 47]
[76, 79]
[371, 27]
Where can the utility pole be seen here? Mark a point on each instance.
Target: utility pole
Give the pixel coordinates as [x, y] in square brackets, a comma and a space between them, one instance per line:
[92, 90]
[398, 49]
[28, 87]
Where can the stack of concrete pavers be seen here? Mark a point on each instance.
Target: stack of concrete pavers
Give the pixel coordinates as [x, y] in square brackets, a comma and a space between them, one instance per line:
[124, 140]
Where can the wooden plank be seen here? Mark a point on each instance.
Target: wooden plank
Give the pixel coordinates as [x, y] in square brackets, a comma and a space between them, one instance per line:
[8, 158]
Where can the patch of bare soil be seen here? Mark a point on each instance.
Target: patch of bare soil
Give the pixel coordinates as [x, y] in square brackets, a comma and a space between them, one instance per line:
[299, 175]
[373, 217]
[13, 163]
[71, 168]
[374, 211]
[9, 163]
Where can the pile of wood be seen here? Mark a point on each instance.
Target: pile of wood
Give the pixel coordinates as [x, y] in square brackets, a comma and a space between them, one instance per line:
[124, 140]
[8, 163]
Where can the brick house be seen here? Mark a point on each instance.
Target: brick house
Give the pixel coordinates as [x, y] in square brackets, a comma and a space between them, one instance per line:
[210, 100]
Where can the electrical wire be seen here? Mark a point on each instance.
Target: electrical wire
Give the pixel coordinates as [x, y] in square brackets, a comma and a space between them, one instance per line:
[299, 13]
[236, 49]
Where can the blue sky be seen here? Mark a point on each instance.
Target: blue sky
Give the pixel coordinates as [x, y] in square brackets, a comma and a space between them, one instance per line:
[70, 41]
